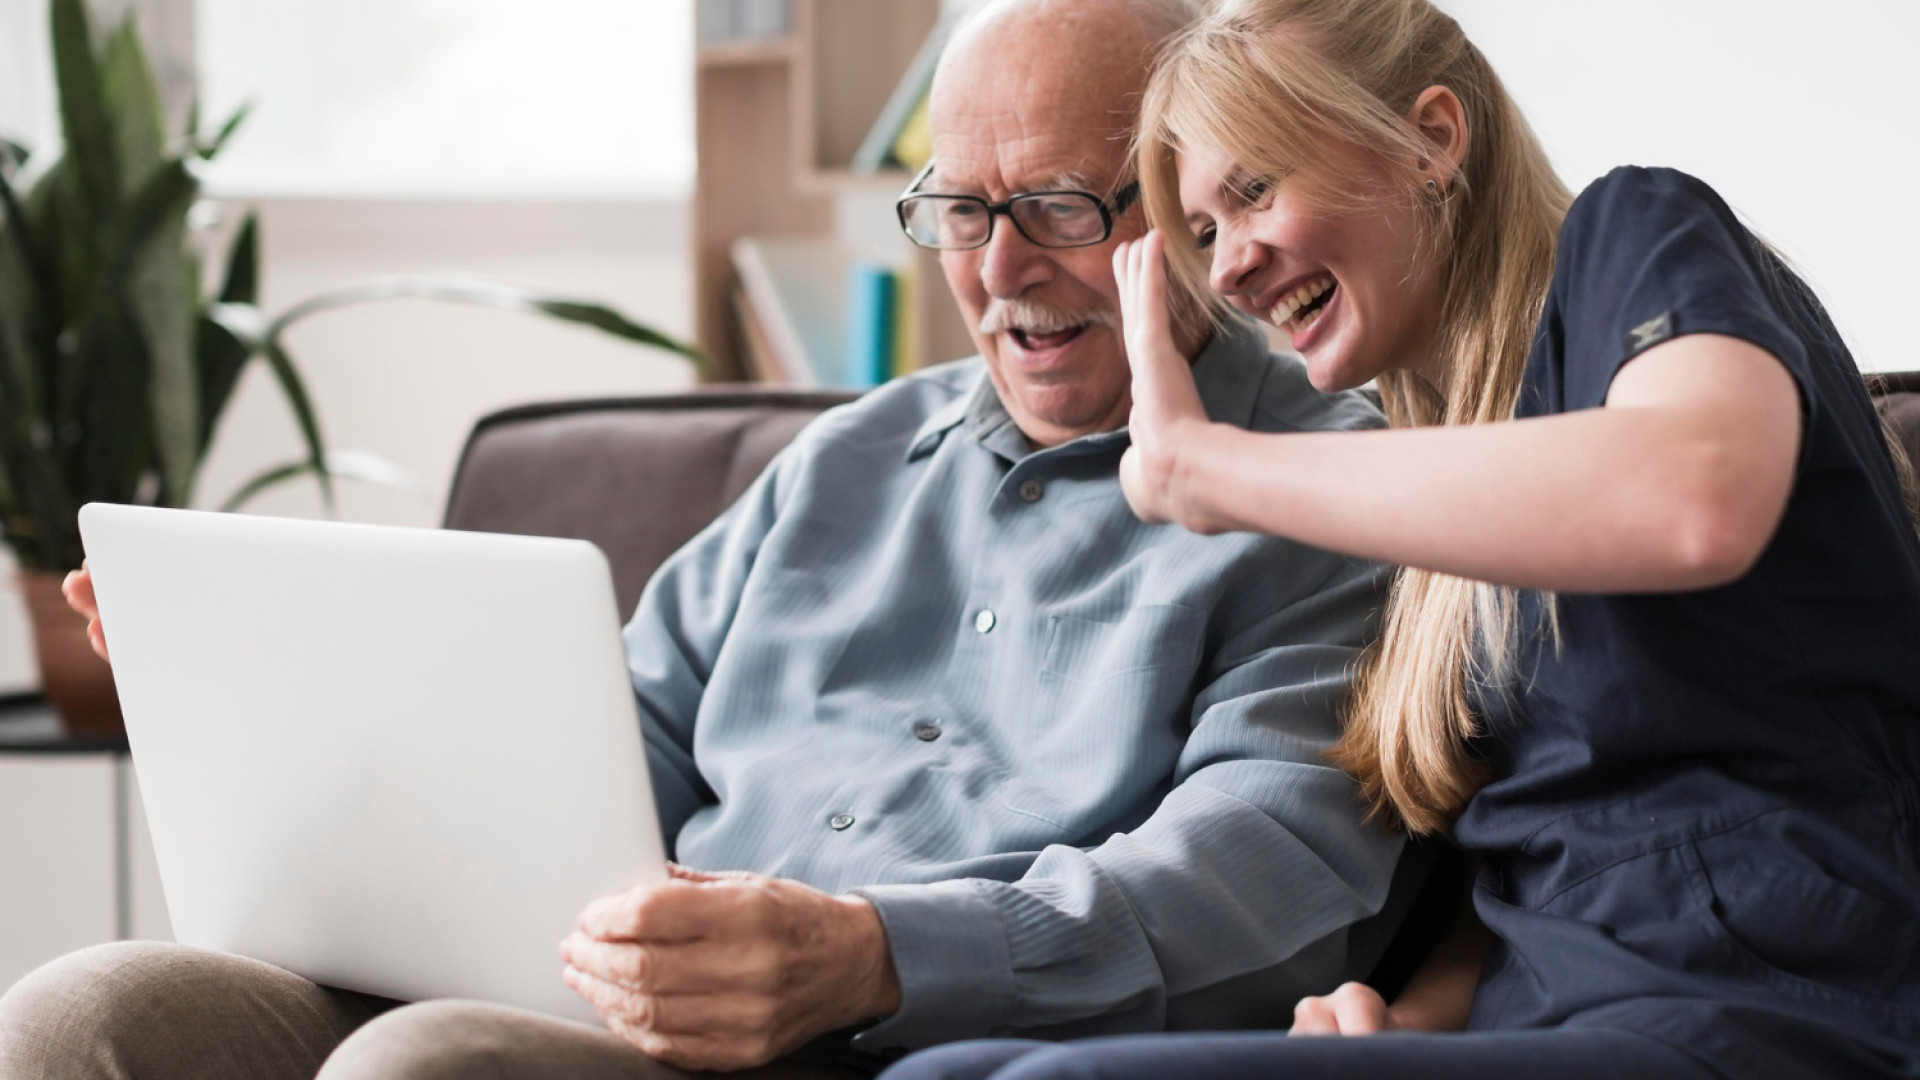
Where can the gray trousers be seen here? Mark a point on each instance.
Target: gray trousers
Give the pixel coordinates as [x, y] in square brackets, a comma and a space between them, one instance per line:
[148, 1011]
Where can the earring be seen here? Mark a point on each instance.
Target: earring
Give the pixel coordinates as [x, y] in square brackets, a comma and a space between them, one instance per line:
[1433, 188]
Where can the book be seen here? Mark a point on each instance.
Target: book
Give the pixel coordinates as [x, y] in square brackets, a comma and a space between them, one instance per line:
[906, 319]
[871, 291]
[796, 289]
[877, 150]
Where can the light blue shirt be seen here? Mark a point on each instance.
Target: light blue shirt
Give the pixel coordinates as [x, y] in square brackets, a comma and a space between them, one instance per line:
[1074, 760]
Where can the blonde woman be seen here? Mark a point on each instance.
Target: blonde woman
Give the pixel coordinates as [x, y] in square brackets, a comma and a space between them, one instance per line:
[1655, 653]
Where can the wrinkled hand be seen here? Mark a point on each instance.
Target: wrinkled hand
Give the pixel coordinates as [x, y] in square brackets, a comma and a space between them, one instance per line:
[78, 589]
[1167, 416]
[1353, 1009]
[729, 971]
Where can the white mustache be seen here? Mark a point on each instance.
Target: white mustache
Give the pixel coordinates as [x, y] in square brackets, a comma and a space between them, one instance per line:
[1039, 317]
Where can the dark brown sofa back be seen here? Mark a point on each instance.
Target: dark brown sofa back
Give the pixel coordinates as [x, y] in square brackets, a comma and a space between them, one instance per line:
[639, 477]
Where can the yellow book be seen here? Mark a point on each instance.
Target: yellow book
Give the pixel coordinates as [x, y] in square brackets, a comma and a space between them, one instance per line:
[913, 147]
[906, 319]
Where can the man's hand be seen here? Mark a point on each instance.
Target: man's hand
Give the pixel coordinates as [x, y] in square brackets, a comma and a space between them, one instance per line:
[1167, 416]
[78, 589]
[729, 971]
[1354, 1009]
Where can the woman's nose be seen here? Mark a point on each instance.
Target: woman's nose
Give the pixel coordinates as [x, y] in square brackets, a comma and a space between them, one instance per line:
[1235, 262]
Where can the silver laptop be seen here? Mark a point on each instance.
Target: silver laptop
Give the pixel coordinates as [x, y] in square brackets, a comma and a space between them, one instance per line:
[398, 761]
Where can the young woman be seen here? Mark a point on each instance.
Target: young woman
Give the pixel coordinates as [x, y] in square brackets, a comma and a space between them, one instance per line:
[1655, 652]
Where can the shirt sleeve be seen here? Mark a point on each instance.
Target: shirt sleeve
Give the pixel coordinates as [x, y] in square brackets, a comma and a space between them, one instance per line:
[676, 633]
[1257, 853]
[1649, 255]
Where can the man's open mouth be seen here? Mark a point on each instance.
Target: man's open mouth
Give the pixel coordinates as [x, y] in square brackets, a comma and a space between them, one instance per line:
[1038, 341]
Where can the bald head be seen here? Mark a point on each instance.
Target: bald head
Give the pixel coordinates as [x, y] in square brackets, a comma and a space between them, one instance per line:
[1017, 67]
[1041, 96]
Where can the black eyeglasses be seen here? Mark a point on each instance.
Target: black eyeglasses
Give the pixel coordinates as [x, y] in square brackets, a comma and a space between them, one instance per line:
[1054, 219]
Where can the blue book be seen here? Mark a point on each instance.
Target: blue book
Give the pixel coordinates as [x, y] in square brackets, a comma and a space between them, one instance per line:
[870, 331]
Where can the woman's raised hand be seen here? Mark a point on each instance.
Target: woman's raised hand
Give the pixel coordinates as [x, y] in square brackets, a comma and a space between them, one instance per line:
[78, 589]
[1167, 414]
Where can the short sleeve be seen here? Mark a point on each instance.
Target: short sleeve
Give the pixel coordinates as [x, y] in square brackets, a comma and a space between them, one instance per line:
[1649, 255]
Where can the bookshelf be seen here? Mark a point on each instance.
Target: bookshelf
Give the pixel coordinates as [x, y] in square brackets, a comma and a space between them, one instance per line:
[779, 212]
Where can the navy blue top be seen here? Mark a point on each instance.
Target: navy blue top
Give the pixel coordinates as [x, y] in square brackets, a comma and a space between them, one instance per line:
[1701, 822]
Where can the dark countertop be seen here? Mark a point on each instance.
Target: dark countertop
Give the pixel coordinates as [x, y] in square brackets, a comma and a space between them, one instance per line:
[28, 725]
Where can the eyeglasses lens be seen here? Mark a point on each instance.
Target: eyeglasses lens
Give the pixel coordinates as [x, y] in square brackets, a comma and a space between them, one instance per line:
[1069, 220]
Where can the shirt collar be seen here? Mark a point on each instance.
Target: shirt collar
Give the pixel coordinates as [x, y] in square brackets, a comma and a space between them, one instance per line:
[1227, 374]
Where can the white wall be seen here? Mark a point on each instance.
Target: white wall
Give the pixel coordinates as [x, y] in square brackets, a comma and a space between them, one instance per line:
[1801, 115]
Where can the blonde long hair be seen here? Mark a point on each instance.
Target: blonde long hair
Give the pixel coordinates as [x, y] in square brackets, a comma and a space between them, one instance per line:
[1272, 84]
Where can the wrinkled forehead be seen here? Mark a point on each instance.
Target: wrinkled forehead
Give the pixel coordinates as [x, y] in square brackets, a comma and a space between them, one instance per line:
[1027, 104]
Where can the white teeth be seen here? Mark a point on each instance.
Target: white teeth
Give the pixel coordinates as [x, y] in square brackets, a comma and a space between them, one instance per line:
[1284, 308]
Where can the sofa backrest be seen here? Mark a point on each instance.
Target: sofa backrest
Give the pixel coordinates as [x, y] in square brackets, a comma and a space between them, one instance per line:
[638, 477]
[1899, 401]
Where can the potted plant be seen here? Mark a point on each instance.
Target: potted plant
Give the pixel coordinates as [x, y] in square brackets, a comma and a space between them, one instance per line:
[115, 364]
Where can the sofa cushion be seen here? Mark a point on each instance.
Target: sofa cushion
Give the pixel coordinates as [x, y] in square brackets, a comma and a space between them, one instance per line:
[638, 477]
[1903, 410]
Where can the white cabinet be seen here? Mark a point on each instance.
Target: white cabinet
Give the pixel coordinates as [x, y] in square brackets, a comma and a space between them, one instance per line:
[64, 882]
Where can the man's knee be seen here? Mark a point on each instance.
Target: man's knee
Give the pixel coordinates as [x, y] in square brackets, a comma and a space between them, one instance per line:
[144, 1009]
[443, 1040]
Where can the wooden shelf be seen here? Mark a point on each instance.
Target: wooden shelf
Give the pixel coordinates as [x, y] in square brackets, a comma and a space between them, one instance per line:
[747, 53]
[776, 124]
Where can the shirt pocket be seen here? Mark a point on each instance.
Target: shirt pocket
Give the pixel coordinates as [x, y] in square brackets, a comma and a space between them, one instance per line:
[1791, 924]
[1147, 638]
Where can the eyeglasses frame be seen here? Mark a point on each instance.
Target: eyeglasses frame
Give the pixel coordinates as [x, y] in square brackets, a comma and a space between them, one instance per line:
[1121, 201]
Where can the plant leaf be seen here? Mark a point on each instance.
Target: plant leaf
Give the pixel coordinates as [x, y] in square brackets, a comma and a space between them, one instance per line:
[132, 99]
[242, 282]
[301, 403]
[84, 120]
[161, 296]
[488, 294]
[161, 200]
[222, 358]
[358, 465]
[209, 150]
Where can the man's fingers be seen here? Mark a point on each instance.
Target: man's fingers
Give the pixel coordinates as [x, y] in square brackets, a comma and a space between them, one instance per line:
[668, 968]
[614, 1004]
[744, 1016]
[668, 912]
[681, 910]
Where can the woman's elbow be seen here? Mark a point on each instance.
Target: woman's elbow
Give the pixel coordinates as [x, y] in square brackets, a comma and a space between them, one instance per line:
[1724, 527]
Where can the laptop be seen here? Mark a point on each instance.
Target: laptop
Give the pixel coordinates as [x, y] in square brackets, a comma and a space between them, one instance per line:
[397, 761]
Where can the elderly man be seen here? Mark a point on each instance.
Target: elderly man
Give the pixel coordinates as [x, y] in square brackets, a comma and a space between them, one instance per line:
[960, 745]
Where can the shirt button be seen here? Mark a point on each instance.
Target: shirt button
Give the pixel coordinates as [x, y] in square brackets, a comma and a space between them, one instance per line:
[926, 731]
[840, 822]
[1032, 490]
[984, 622]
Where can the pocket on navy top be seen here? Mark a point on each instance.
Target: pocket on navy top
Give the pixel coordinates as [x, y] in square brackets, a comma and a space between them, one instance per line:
[1798, 927]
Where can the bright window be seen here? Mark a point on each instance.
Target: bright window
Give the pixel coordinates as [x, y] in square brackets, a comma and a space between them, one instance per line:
[452, 98]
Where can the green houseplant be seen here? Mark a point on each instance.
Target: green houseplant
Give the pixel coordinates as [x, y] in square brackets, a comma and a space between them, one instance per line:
[115, 363]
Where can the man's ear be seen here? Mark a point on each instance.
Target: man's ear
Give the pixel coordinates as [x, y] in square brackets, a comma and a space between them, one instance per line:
[1442, 122]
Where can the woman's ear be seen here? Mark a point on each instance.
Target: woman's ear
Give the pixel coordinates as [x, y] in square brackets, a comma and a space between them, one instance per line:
[1442, 122]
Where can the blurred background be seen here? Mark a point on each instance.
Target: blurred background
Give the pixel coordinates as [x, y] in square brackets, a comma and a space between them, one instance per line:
[723, 171]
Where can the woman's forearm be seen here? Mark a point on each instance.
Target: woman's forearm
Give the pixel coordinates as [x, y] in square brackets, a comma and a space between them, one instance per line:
[1439, 997]
[1641, 496]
